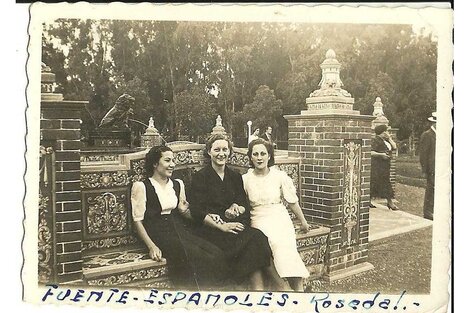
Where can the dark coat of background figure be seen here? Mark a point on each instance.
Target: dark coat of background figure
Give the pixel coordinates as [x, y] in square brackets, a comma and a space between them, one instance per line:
[267, 137]
[380, 185]
[246, 251]
[427, 155]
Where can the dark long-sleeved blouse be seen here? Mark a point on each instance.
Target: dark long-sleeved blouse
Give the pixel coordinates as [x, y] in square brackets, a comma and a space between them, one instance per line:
[210, 194]
[247, 251]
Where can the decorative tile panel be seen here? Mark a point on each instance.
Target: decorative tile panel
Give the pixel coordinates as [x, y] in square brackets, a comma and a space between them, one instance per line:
[239, 159]
[104, 179]
[309, 257]
[106, 213]
[126, 278]
[312, 241]
[292, 170]
[47, 271]
[87, 158]
[111, 242]
[351, 193]
[44, 242]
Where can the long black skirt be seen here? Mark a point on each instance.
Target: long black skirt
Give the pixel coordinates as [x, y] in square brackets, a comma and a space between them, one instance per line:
[380, 185]
[246, 252]
[193, 263]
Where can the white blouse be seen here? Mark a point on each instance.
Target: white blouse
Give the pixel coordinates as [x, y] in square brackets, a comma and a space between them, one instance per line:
[270, 189]
[166, 195]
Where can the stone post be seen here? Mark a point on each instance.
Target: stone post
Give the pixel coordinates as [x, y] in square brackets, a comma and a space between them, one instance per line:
[334, 141]
[60, 130]
[218, 128]
[381, 119]
[151, 137]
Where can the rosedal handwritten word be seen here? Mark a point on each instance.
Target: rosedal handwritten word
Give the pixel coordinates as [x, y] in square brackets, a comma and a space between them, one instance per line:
[326, 303]
[162, 298]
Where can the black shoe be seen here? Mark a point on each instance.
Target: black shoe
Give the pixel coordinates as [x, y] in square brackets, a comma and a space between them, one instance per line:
[392, 207]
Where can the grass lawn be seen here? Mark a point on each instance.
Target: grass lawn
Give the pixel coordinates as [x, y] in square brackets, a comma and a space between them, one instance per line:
[402, 262]
[409, 171]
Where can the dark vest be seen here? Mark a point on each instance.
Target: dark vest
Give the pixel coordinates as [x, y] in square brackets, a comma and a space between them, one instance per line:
[153, 207]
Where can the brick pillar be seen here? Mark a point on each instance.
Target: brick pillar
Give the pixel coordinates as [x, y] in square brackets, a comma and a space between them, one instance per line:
[60, 129]
[393, 161]
[60, 125]
[334, 143]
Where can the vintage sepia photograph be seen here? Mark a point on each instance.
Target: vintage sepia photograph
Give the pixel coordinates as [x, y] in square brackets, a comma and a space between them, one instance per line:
[239, 157]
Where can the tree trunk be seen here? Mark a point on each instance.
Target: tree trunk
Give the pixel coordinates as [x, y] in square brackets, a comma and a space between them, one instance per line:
[174, 129]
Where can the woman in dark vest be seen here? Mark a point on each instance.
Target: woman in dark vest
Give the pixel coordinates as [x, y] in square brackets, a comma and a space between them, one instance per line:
[219, 204]
[158, 205]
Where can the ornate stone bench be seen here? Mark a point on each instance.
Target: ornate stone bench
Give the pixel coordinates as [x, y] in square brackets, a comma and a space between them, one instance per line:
[113, 255]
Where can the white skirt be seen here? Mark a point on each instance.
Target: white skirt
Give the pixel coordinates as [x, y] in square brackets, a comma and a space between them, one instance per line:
[274, 221]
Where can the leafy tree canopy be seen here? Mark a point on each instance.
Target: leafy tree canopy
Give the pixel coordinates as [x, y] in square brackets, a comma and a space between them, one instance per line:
[185, 73]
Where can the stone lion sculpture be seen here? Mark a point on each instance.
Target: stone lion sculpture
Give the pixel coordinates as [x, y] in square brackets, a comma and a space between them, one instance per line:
[118, 115]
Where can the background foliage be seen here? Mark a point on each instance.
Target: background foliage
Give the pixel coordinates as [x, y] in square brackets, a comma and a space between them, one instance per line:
[185, 73]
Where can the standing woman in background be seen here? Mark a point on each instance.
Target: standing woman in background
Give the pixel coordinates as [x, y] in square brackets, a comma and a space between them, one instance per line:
[381, 153]
[158, 206]
[254, 136]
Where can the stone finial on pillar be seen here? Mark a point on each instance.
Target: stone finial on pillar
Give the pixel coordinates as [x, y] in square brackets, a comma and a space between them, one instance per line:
[151, 137]
[330, 98]
[48, 85]
[380, 118]
[218, 128]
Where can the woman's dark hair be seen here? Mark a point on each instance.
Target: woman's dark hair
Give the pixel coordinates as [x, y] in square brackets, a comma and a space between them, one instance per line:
[380, 129]
[213, 138]
[269, 148]
[153, 157]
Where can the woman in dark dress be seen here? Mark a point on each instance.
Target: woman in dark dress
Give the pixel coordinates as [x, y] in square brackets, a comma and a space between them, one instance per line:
[158, 205]
[219, 203]
[381, 152]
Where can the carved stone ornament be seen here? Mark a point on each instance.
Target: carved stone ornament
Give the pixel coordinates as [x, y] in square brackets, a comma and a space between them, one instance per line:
[380, 118]
[48, 85]
[117, 117]
[218, 128]
[330, 84]
[106, 213]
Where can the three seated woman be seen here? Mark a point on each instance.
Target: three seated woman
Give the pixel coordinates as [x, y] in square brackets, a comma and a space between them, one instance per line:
[231, 240]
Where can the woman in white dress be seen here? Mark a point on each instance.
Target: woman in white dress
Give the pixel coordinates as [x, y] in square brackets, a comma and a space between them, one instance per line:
[267, 187]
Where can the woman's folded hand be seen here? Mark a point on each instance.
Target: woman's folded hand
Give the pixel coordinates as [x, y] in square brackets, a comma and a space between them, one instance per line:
[232, 227]
[234, 211]
[216, 218]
